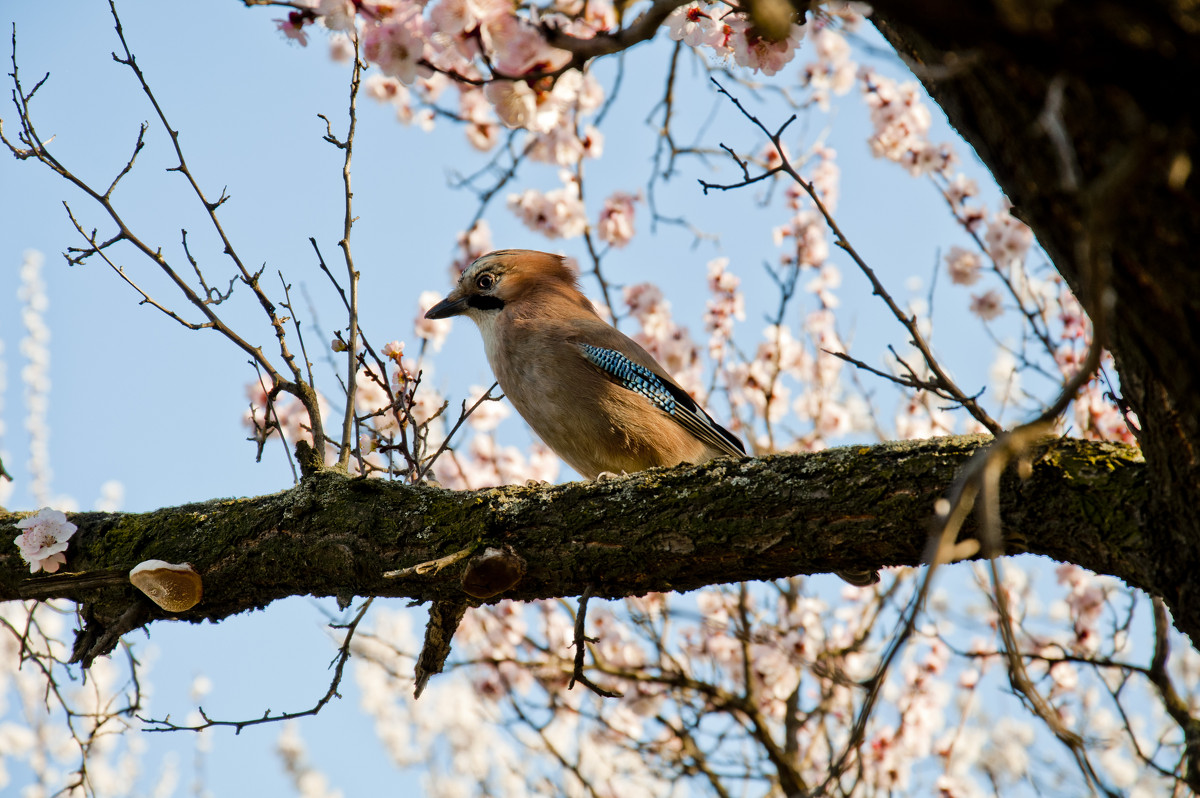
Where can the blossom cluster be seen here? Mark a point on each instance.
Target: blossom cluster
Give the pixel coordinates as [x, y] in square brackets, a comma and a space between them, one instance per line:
[506, 74]
[772, 662]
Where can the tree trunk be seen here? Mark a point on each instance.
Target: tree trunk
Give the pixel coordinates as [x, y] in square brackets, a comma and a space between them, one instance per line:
[1085, 111]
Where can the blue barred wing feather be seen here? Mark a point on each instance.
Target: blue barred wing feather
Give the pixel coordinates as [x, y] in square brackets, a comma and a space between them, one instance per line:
[666, 396]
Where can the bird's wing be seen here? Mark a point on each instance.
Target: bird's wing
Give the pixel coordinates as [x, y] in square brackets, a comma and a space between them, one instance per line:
[664, 394]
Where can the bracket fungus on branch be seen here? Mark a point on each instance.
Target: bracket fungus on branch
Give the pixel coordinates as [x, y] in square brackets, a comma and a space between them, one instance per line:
[175, 588]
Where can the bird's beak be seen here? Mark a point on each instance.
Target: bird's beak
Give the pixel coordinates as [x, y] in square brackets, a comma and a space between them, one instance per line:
[450, 306]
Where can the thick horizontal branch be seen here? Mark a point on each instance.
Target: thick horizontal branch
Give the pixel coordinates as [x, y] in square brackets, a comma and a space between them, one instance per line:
[659, 530]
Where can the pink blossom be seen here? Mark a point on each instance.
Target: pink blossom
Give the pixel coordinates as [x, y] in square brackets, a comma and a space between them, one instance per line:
[337, 14]
[963, 266]
[514, 101]
[341, 49]
[488, 415]
[44, 539]
[825, 175]
[518, 48]
[396, 45]
[393, 350]
[426, 402]
[850, 12]
[471, 243]
[482, 131]
[592, 142]
[555, 214]
[370, 397]
[834, 419]
[832, 71]
[987, 305]
[1007, 239]
[432, 330]
[615, 226]
[772, 158]
[559, 145]
[901, 120]
[750, 49]
[1098, 418]
[580, 92]
[669, 343]
[828, 278]
[807, 229]
[919, 418]
[1076, 325]
[598, 15]
[726, 305]
[293, 26]
[389, 89]
[959, 189]
[459, 19]
[385, 89]
[695, 25]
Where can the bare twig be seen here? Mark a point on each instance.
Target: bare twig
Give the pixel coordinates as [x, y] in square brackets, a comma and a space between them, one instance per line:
[338, 664]
[347, 147]
[581, 646]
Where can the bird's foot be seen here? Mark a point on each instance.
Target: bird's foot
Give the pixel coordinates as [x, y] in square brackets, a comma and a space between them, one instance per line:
[535, 483]
[605, 476]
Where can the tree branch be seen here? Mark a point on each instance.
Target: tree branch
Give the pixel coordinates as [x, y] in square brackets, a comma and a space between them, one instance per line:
[658, 530]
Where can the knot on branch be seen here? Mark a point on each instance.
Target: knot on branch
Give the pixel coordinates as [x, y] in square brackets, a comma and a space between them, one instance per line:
[492, 572]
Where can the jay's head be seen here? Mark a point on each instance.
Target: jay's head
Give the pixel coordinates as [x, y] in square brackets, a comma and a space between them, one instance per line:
[517, 278]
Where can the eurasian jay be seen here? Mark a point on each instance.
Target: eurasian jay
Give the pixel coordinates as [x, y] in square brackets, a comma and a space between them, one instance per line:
[599, 400]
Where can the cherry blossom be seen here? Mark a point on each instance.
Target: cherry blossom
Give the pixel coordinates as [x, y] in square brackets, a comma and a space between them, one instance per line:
[832, 71]
[337, 15]
[727, 306]
[514, 101]
[751, 49]
[987, 305]
[432, 330]
[44, 539]
[482, 131]
[615, 226]
[1007, 239]
[963, 266]
[901, 120]
[557, 213]
[488, 415]
[293, 26]
[396, 44]
[696, 25]
[472, 244]
[670, 344]
[517, 47]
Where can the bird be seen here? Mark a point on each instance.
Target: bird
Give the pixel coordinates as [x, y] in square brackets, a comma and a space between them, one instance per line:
[599, 400]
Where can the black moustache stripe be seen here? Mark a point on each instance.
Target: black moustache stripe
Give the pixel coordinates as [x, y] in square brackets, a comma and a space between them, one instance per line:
[483, 302]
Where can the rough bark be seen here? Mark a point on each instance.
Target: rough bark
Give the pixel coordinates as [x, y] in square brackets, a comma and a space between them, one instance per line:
[659, 530]
[1085, 113]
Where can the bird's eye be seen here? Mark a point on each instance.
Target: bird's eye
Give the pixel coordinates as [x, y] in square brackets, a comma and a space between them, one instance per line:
[485, 282]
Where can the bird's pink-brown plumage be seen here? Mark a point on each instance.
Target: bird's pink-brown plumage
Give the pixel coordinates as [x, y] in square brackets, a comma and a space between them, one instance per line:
[535, 324]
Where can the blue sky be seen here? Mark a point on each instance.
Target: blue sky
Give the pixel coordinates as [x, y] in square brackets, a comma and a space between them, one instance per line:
[139, 399]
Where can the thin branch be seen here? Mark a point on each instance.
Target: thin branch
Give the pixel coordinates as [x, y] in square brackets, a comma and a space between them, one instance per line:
[347, 147]
[941, 381]
[581, 646]
[338, 665]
